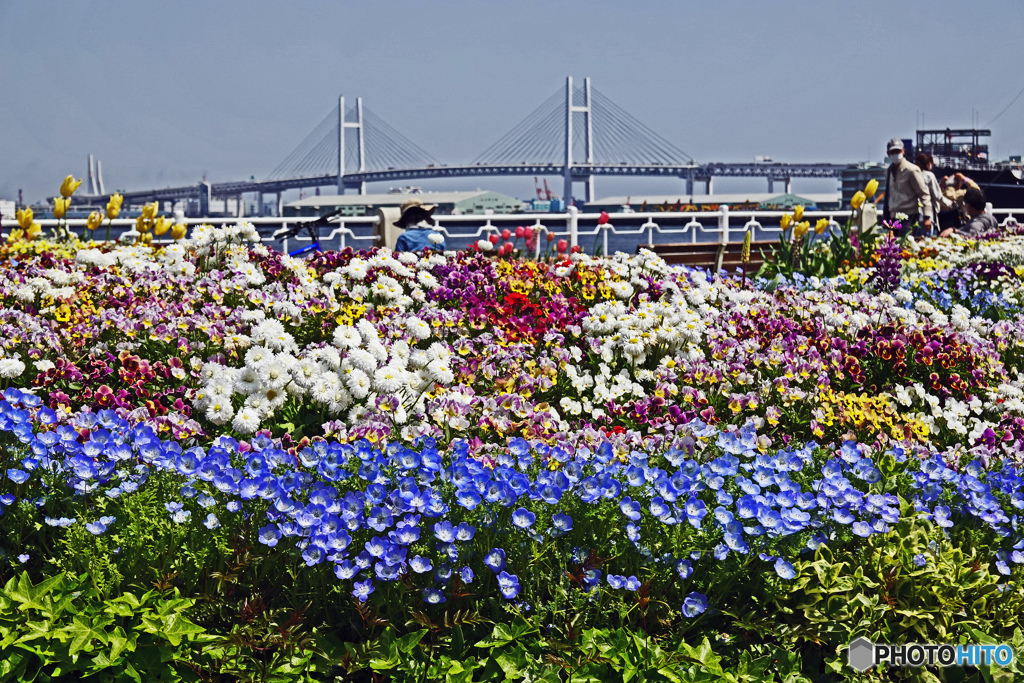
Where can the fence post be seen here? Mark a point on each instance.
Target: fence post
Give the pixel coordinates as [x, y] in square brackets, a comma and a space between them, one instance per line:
[723, 223]
[573, 220]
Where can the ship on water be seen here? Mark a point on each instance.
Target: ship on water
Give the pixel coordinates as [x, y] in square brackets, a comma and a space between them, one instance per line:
[961, 150]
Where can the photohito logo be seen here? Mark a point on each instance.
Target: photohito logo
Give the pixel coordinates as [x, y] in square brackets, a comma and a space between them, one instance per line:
[862, 654]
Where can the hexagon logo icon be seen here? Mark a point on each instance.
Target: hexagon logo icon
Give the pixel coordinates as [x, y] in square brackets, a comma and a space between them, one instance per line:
[861, 654]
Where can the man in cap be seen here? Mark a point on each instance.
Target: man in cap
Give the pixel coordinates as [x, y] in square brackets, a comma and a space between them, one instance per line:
[906, 191]
[417, 221]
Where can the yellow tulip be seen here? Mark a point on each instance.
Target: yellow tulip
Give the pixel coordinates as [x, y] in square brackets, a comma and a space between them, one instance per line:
[147, 238]
[68, 187]
[871, 188]
[149, 211]
[798, 212]
[179, 230]
[821, 226]
[857, 199]
[162, 225]
[94, 220]
[801, 229]
[33, 230]
[786, 220]
[142, 226]
[24, 217]
[60, 206]
[114, 206]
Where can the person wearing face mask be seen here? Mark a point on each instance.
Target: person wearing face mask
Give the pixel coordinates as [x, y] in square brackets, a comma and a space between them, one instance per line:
[906, 192]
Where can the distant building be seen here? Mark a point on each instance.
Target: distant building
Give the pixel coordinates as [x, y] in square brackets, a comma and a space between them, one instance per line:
[856, 177]
[764, 201]
[7, 210]
[448, 203]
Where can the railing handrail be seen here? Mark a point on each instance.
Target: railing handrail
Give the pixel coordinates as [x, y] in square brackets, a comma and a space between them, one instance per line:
[569, 224]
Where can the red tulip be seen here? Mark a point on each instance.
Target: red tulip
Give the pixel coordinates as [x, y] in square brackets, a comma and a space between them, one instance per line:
[527, 233]
[562, 246]
[576, 249]
[603, 218]
[493, 239]
[505, 234]
[551, 237]
[520, 231]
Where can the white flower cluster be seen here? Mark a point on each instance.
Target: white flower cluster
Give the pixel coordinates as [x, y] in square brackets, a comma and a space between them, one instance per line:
[353, 373]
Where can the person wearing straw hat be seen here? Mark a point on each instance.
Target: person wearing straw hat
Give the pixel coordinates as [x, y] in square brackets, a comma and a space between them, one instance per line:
[417, 220]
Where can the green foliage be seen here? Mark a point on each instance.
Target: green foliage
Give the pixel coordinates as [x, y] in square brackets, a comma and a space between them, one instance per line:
[803, 250]
[950, 594]
[61, 627]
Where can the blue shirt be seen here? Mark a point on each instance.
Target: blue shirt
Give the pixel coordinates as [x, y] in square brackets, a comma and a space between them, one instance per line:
[417, 239]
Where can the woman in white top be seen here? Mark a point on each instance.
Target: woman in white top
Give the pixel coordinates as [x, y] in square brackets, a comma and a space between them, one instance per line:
[941, 206]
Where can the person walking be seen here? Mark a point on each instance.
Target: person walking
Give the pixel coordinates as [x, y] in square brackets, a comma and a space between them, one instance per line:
[906, 192]
[944, 211]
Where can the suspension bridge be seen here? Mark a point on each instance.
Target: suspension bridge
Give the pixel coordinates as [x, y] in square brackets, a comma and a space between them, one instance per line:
[576, 134]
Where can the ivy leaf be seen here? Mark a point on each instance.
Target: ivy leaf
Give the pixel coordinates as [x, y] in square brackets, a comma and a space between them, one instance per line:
[83, 632]
[177, 626]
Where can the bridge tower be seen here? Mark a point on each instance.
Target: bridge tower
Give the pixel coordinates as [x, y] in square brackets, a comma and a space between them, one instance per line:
[584, 109]
[358, 125]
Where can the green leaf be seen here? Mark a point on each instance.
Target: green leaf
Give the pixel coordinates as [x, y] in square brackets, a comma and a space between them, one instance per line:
[407, 643]
[504, 634]
[703, 655]
[84, 631]
[31, 597]
[177, 627]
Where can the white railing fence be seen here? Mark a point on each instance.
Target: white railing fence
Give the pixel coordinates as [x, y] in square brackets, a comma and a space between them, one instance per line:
[647, 228]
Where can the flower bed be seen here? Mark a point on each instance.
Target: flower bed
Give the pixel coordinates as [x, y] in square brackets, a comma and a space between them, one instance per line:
[456, 465]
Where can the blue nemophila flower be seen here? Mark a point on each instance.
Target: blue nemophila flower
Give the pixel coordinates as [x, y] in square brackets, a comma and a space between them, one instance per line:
[23, 558]
[96, 528]
[495, 559]
[444, 532]
[345, 570]
[464, 532]
[61, 522]
[630, 508]
[18, 476]
[361, 589]
[433, 596]
[561, 522]
[685, 569]
[523, 518]
[376, 546]
[508, 584]
[312, 555]
[379, 519]
[211, 521]
[694, 604]
[862, 529]
[181, 516]
[942, 516]
[173, 506]
[443, 573]
[616, 581]
[466, 574]
[784, 569]
[420, 565]
[234, 506]
[920, 560]
[270, 535]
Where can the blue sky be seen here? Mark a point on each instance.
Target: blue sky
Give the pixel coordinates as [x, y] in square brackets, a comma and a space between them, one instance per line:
[165, 92]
